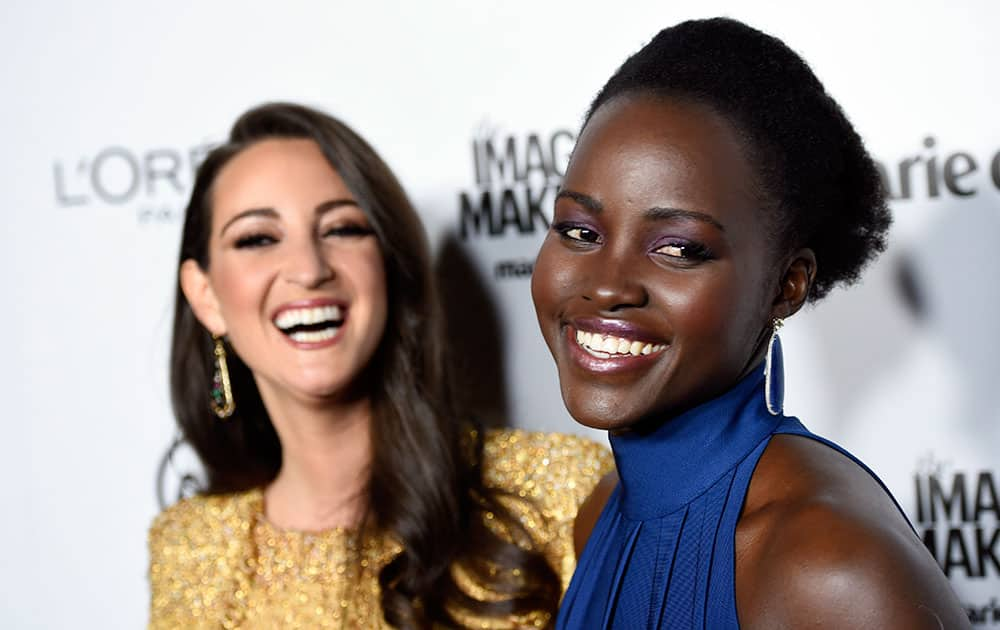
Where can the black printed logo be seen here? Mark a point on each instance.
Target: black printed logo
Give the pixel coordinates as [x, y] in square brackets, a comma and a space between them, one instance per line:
[516, 179]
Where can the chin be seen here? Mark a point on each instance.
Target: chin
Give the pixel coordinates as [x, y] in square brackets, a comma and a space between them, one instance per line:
[605, 415]
[321, 387]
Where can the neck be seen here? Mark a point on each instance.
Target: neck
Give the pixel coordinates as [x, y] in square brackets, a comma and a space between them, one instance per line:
[692, 450]
[325, 463]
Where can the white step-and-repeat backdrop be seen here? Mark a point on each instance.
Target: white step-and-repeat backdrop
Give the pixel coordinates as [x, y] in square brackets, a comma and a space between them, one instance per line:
[108, 105]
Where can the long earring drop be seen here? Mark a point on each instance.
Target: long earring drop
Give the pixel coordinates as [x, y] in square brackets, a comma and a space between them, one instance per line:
[774, 371]
[222, 402]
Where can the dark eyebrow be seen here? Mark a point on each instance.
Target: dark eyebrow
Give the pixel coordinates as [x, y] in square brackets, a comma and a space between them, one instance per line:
[654, 213]
[586, 201]
[333, 204]
[271, 213]
[665, 214]
[252, 212]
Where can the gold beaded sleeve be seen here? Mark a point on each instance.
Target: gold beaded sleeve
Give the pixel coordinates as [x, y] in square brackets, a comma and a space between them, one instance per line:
[215, 562]
[546, 477]
[555, 473]
[197, 551]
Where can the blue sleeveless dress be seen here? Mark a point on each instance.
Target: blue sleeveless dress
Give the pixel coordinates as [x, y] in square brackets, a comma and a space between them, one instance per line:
[662, 553]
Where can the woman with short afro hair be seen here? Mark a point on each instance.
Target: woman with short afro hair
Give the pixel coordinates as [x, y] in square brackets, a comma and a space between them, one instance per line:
[715, 189]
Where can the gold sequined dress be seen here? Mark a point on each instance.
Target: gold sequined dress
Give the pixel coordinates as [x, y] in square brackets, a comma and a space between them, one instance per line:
[216, 562]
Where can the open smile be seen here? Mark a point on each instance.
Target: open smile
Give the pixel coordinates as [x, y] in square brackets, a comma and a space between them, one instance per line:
[311, 324]
[608, 346]
[605, 352]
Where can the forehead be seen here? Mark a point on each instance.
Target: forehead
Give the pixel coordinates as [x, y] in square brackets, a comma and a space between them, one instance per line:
[646, 151]
[282, 172]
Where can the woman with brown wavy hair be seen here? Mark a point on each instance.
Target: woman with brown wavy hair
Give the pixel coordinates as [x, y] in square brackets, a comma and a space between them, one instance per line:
[308, 371]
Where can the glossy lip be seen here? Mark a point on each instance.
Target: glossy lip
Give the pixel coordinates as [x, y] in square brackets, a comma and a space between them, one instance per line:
[312, 303]
[616, 363]
[616, 327]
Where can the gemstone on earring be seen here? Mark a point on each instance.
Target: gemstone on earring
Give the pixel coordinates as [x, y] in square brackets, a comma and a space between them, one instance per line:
[221, 393]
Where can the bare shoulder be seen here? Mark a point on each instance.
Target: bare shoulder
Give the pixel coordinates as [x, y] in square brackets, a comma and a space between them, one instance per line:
[590, 511]
[557, 471]
[821, 544]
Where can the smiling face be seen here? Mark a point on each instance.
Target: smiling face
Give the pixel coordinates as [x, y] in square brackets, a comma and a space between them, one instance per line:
[296, 278]
[654, 287]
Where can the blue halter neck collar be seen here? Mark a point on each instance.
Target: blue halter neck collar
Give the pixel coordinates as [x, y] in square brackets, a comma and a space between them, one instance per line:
[664, 470]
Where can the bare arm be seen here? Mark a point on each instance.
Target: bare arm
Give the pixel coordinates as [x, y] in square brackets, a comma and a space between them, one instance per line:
[591, 509]
[845, 574]
[821, 545]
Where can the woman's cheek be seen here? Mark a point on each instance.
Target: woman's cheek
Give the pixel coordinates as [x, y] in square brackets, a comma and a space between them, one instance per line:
[704, 309]
[239, 290]
[544, 278]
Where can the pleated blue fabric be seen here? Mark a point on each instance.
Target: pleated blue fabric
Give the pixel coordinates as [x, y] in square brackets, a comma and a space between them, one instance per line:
[662, 552]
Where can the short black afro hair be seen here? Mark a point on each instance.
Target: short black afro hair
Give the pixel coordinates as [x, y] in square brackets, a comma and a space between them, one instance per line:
[810, 161]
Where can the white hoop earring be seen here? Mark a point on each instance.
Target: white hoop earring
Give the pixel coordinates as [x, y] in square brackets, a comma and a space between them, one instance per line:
[774, 371]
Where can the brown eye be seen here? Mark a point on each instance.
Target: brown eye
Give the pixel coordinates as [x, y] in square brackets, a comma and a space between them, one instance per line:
[349, 230]
[577, 233]
[685, 251]
[672, 250]
[252, 241]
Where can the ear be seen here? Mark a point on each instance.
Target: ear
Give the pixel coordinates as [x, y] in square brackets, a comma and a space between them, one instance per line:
[199, 293]
[793, 288]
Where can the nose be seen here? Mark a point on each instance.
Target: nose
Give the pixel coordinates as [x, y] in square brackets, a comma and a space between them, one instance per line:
[613, 285]
[306, 264]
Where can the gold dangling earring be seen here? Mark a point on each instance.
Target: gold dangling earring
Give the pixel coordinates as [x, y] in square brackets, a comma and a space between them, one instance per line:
[223, 405]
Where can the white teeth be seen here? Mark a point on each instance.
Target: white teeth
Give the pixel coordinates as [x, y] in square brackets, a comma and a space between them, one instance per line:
[304, 316]
[311, 336]
[606, 347]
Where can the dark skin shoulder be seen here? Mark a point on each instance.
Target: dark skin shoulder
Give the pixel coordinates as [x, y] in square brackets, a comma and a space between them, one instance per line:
[591, 510]
[819, 544]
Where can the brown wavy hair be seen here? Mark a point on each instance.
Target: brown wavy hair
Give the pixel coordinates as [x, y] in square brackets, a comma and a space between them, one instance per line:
[426, 486]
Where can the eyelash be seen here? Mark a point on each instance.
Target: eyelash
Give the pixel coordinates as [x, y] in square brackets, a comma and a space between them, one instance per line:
[349, 230]
[686, 251]
[565, 231]
[695, 252]
[253, 241]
